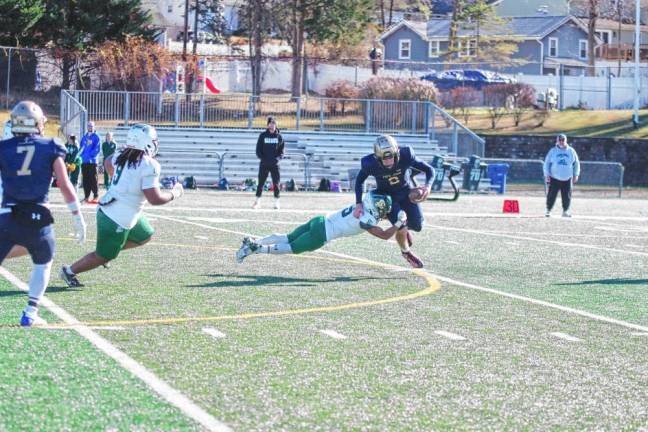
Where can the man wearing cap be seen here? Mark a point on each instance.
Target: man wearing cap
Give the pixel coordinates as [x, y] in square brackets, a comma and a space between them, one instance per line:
[269, 150]
[561, 170]
[90, 148]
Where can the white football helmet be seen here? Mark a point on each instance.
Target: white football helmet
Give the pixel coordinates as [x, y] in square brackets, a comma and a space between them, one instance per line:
[143, 137]
[377, 205]
[27, 118]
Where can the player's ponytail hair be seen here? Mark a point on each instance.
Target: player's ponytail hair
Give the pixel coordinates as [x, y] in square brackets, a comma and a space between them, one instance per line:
[129, 156]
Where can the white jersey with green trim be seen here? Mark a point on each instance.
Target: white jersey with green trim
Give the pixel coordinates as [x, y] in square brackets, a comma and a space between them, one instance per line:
[343, 224]
[125, 199]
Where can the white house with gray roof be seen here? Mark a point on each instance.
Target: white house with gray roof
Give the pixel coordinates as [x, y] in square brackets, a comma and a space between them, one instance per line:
[545, 44]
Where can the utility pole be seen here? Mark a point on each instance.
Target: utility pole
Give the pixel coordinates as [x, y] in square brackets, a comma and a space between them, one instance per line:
[635, 117]
[195, 28]
[186, 30]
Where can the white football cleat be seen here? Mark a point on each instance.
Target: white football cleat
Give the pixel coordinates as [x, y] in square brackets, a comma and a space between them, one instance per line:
[547, 213]
[257, 204]
[566, 214]
[276, 205]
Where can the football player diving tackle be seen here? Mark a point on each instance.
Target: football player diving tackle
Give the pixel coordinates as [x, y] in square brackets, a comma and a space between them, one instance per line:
[391, 166]
[322, 229]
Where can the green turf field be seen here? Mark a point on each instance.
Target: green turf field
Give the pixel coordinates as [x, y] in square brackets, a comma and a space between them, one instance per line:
[517, 323]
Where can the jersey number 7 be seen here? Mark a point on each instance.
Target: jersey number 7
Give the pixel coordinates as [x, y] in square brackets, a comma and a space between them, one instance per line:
[24, 170]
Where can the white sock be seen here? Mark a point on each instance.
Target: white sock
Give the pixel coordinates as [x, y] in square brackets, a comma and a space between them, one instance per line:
[69, 270]
[405, 250]
[31, 311]
[273, 239]
[275, 249]
[38, 281]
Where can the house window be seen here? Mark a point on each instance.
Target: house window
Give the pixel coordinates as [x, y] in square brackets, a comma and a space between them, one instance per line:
[605, 35]
[582, 49]
[404, 49]
[466, 48]
[434, 49]
[553, 47]
[170, 7]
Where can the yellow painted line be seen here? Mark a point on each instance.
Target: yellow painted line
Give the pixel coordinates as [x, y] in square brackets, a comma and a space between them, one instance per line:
[433, 285]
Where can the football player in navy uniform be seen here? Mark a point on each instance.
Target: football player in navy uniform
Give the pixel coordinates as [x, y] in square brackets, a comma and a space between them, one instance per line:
[391, 166]
[26, 164]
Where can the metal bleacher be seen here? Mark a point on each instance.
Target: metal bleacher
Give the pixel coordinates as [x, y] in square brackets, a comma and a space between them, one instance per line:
[209, 154]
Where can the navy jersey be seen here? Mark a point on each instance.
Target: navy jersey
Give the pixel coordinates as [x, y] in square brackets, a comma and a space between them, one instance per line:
[395, 180]
[26, 165]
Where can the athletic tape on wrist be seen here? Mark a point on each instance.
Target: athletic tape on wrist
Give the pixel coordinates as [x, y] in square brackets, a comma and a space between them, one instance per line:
[74, 206]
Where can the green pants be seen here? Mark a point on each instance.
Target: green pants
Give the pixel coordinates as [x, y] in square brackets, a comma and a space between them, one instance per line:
[74, 175]
[111, 238]
[309, 236]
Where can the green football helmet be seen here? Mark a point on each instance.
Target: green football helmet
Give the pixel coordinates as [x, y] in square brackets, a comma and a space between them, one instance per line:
[377, 205]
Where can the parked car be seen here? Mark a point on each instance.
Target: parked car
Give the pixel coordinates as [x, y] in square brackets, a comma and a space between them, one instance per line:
[474, 78]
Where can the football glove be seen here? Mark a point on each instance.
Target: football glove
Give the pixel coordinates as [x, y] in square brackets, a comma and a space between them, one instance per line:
[79, 228]
[402, 219]
[177, 190]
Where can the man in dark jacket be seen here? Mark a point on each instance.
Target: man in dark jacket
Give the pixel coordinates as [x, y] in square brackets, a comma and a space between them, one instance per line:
[269, 150]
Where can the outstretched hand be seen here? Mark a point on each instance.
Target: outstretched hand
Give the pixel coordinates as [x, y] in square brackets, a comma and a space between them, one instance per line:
[358, 210]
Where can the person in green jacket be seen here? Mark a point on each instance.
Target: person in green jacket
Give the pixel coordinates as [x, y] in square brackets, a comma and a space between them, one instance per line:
[73, 160]
[108, 147]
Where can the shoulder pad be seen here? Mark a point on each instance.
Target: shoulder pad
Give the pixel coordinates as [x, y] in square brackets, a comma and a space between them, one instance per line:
[58, 141]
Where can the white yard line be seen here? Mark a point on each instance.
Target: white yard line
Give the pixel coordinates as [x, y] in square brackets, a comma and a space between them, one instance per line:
[201, 237]
[172, 395]
[213, 332]
[639, 334]
[452, 242]
[449, 335]
[333, 334]
[456, 282]
[553, 242]
[565, 336]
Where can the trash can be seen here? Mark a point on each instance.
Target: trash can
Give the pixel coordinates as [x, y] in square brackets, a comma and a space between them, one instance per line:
[439, 172]
[473, 171]
[497, 175]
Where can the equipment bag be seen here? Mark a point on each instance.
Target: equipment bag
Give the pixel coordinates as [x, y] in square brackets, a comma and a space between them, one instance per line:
[325, 185]
[189, 182]
[223, 184]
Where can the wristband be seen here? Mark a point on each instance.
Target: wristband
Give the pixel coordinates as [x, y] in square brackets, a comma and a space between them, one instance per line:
[74, 206]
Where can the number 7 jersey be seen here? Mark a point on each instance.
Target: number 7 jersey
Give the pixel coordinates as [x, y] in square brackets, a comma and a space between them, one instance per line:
[26, 165]
[343, 224]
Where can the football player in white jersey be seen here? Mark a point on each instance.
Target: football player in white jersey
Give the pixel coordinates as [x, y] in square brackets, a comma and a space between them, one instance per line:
[120, 222]
[322, 229]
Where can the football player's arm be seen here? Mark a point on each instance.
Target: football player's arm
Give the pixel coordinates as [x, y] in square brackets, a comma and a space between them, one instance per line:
[382, 233]
[388, 233]
[70, 197]
[155, 196]
[359, 182]
[429, 174]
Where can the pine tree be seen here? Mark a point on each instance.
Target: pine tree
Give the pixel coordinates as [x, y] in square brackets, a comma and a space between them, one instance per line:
[18, 19]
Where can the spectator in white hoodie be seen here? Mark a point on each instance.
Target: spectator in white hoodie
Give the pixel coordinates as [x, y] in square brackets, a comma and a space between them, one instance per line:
[561, 171]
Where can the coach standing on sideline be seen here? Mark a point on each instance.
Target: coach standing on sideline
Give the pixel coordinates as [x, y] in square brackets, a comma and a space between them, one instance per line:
[90, 148]
[269, 150]
[561, 170]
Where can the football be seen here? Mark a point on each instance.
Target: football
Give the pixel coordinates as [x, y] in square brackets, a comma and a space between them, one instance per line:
[416, 195]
